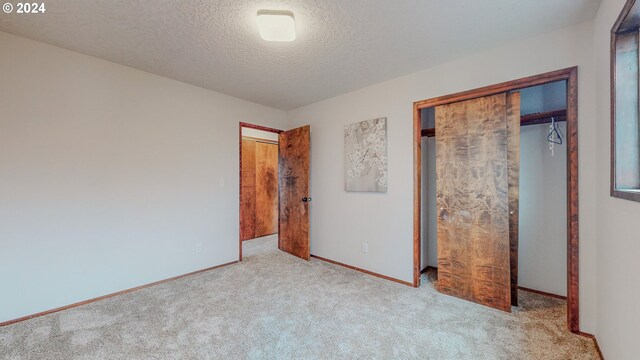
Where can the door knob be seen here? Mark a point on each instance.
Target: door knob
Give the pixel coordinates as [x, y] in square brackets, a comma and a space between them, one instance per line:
[306, 199]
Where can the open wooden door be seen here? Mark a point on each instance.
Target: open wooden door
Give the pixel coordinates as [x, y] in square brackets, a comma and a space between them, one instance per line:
[293, 174]
[472, 195]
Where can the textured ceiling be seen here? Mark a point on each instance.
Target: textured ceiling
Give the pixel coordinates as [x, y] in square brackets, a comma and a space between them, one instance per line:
[341, 45]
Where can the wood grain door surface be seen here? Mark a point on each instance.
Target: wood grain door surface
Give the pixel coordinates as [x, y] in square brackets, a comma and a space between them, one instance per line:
[513, 164]
[472, 195]
[266, 197]
[248, 191]
[293, 173]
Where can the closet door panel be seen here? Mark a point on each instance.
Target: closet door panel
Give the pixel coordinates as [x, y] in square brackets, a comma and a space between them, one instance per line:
[248, 162]
[472, 201]
[248, 190]
[266, 189]
[248, 211]
[513, 157]
[452, 183]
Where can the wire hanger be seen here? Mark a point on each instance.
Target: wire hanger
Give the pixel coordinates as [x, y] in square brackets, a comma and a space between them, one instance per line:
[555, 135]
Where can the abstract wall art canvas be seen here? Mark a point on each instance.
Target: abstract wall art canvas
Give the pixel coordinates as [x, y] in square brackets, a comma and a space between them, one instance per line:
[365, 146]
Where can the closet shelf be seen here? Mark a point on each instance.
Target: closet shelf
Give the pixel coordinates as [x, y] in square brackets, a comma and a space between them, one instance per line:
[543, 117]
[525, 120]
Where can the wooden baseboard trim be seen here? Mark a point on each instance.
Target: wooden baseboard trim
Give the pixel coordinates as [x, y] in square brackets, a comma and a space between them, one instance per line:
[542, 293]
[66, 307]
[363, 270]
[595, 342]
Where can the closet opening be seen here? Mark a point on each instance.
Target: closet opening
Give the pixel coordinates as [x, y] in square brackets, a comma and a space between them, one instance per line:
[501, 193]
[259, 200]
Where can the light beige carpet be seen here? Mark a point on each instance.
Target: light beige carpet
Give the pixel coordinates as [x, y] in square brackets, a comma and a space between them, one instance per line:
[275, 306]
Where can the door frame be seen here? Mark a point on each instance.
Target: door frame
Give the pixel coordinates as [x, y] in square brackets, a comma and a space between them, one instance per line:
[571, 76]
[257, 127]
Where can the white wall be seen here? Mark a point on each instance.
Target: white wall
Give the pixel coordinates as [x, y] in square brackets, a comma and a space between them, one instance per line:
[109, 176]
[618, 247]
[341, 221]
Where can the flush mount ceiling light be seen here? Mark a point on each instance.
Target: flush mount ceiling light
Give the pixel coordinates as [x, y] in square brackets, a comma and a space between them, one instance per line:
[276, 25]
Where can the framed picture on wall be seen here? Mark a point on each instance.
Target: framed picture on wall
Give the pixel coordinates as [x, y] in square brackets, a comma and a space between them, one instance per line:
[365, 147]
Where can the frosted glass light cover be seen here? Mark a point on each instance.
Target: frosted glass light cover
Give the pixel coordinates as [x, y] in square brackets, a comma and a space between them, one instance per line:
[276, 25]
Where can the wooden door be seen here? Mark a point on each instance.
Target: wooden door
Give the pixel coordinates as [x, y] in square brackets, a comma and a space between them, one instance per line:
[293, 179]
[266, 196]
[248, 190]
[513, 164]
[472, 201]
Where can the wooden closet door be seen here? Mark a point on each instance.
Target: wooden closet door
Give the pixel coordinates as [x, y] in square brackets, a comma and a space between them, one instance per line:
[513, 164]
[248, 191]
[473, 202]
[266, 189]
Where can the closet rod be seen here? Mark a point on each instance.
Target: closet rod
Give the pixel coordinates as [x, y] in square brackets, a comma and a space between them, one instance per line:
[525, 120]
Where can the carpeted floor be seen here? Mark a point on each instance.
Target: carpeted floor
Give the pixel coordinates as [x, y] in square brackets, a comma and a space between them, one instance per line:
[275, 306]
